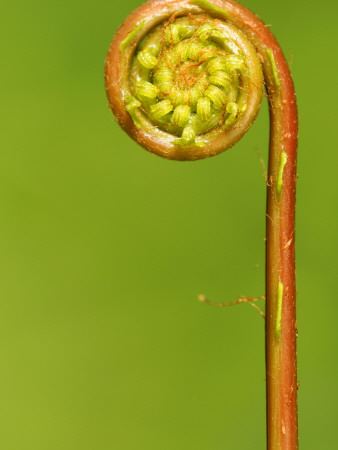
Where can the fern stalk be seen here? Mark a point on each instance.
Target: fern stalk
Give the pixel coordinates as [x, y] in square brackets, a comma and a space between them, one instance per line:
[185, 80]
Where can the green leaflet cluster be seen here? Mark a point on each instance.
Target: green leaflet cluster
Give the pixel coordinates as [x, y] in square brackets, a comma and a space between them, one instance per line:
[188, 77]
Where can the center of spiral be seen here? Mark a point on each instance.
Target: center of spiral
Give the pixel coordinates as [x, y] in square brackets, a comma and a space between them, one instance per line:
[186, 75]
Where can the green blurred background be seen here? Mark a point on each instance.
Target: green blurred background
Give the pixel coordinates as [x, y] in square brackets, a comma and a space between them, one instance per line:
[105, 247]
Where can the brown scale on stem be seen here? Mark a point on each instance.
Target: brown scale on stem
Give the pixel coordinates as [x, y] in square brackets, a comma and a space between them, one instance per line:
[184, 78]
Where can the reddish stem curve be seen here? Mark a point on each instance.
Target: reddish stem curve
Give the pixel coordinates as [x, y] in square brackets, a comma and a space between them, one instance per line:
[281, 357]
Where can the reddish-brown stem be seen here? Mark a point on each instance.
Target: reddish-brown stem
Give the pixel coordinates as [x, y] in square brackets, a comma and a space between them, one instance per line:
[281, 358]
[281, 325]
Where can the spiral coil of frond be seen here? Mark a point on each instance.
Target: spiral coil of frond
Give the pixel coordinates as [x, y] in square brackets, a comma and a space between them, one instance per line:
[192, 84]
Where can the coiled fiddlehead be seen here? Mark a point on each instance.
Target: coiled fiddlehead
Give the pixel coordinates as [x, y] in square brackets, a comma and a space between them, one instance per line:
[184, 84]
[184, 79]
